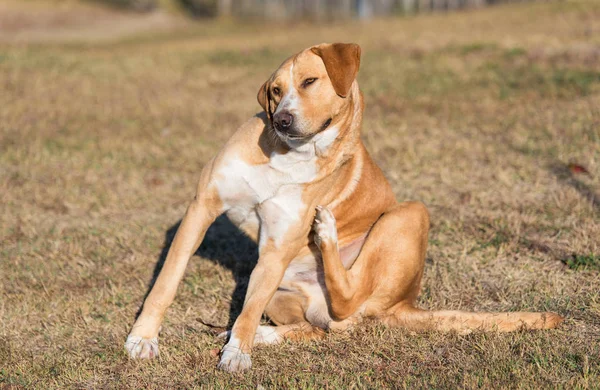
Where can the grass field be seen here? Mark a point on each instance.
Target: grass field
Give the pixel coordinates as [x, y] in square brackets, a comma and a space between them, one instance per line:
[486, 116]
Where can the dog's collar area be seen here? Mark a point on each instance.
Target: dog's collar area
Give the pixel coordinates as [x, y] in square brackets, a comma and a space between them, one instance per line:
[286, 137]
[325, 125]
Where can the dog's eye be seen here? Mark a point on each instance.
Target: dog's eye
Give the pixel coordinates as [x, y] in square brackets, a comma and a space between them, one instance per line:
[309, 81]
[276, 91]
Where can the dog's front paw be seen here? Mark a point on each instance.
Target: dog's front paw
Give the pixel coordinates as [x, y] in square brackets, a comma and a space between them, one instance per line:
[141, 348]
[233, 359]
[324, 227]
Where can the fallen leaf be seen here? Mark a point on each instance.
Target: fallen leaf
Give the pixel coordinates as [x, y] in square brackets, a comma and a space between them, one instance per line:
[577, 169]
[154, 182]
[465, 197]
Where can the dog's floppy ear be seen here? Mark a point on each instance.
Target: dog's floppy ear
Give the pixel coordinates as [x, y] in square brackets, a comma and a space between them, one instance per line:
[342, 61]
[262, 96]
[263, 99]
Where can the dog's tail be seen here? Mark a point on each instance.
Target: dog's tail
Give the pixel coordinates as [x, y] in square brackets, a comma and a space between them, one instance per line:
[466, 322]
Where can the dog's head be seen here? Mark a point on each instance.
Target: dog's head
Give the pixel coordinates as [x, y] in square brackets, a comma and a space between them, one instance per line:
[308, 91]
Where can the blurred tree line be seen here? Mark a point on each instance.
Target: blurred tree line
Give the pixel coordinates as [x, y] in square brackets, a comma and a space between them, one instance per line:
[198, 8]
[304, 9]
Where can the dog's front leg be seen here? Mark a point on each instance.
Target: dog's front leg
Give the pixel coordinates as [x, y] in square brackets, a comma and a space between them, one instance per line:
[282, 234]
[142, 342]
[264, 281]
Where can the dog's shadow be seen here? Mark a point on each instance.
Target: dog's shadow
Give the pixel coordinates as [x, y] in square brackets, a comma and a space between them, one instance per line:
[226, 245]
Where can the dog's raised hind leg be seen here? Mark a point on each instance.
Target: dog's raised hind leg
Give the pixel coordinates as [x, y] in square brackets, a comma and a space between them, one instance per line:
[267, 335]
[342, 286]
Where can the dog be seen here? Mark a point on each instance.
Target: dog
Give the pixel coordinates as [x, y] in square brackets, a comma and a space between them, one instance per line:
[334, 244]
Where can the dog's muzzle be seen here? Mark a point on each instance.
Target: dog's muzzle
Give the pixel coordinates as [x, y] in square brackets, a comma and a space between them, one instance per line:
[283, 121]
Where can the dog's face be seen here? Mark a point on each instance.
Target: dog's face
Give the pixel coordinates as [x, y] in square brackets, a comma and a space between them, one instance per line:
[309, 90]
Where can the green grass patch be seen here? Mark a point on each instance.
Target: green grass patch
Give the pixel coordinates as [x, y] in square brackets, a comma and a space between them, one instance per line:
[544, 81]
[477, 47]
[514, 52]
[583, 262]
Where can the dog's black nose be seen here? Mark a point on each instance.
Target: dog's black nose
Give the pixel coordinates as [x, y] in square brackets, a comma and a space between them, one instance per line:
[283, 120]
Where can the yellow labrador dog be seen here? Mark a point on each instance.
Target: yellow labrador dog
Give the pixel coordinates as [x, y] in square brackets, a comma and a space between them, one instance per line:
[334, 244]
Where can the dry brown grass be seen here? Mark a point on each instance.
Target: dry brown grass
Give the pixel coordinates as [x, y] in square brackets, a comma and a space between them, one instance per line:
[477, 114]
[27, 21]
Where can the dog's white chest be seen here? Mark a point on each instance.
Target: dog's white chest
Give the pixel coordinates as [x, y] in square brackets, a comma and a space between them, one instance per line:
[268, 195]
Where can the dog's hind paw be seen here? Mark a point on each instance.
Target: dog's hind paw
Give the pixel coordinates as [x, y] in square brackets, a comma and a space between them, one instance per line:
[138, 347]
[264, 335]
[324, 227]
[233, 359]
